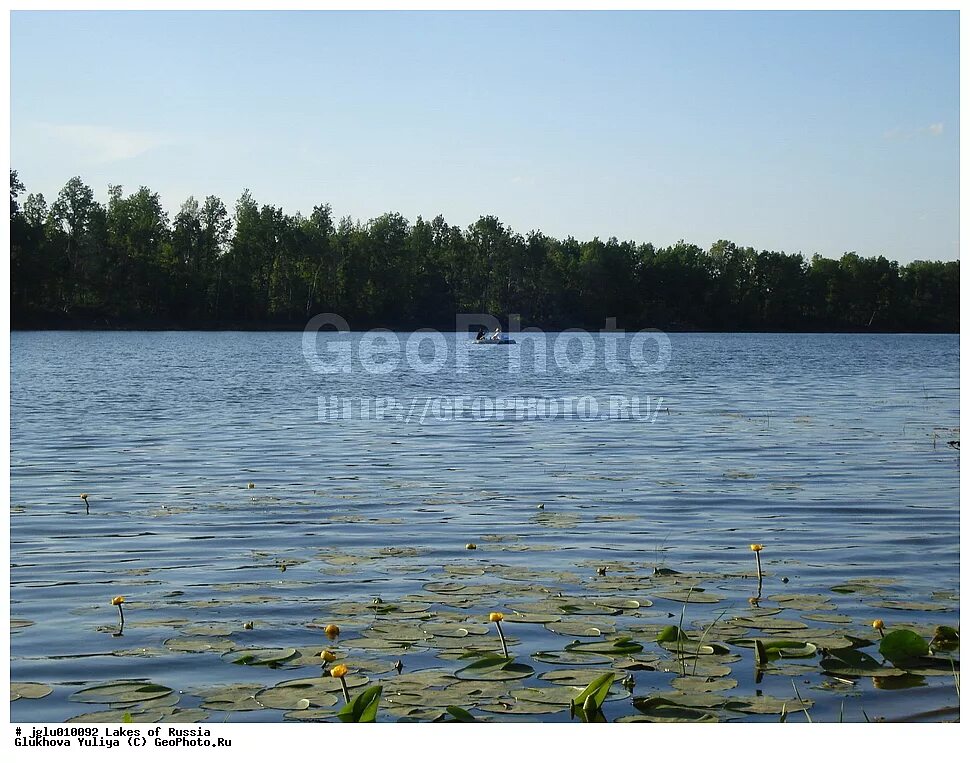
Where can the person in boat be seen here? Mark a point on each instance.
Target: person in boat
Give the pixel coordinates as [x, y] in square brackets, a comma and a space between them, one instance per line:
[481, 335]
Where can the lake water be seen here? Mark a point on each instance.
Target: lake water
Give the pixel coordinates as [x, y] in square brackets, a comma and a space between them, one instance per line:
[830, 450]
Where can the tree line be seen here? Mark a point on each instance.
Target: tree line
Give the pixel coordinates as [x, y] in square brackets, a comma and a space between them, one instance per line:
[75, 262]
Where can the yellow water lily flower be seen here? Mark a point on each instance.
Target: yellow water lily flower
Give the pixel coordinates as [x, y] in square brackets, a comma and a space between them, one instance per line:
[756, 547]
[332, 631]
[878, 624]
[495, 617]
[327, 656]
[84, 496]
[338, 671]
[118, 600]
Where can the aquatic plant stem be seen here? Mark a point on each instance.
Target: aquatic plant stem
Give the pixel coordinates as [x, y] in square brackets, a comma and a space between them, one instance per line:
[801, 701]
[343, 685]
[118, 601]
[501, 635]
[758, 548]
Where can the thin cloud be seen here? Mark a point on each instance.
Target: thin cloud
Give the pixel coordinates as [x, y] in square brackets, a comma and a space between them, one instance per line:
[97, 144]
[898, 133]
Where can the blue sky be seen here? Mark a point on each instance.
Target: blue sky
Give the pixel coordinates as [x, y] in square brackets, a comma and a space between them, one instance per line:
[815, 132]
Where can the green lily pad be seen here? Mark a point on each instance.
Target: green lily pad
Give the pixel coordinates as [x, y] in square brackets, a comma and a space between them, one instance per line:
[765, 705]
[826, 617]
[142, 651]
[312, 714]
[689, 597]
[208, 629]
[533, 617]
[913, 606]
[519, 707]
[581, 607]
[303, 693]
[198, 644]
[588, 630]
[778, 649]
[770, 623]
[462, 570]
[547, 695]
[805, 601]
[695, 667]
[267, 657]
[234, 698]
[660, 710]
[622, 645]
[185, 715]
[852, 662]
[571, 658]
[932, 665]
[494, 668]
[902, 646]
[121, 691]
[28, 690]
[118, 716]
[572, 676]
[691, 684]
[451, 630]
[396, 633]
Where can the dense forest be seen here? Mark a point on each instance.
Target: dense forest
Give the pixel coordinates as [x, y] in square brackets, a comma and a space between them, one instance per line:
[75, 262]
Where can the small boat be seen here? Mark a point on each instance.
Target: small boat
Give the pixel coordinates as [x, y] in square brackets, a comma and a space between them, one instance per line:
[489, 340]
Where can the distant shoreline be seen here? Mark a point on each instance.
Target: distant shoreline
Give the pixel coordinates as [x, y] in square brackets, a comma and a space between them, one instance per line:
[75, 324]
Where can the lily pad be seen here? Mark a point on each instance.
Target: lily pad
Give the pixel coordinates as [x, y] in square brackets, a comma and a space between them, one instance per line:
[494, 668]
[805, 601]
[267, 657]
[452, 630]
[571, 658]
[235, 698]
[532, 617]
[778, 649]
[691, 684]
[913, 606]
[127, 692]
[198, 644]
[660, 710]
[118, 716]
[312, 714]
[689, 597]
[765, 705]
[572, 628]
[185, 715]
[902, 646]
[852, 662]
[28, 690]
[547, 695]
[302, 694]
[208, 629]
[622, 645]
